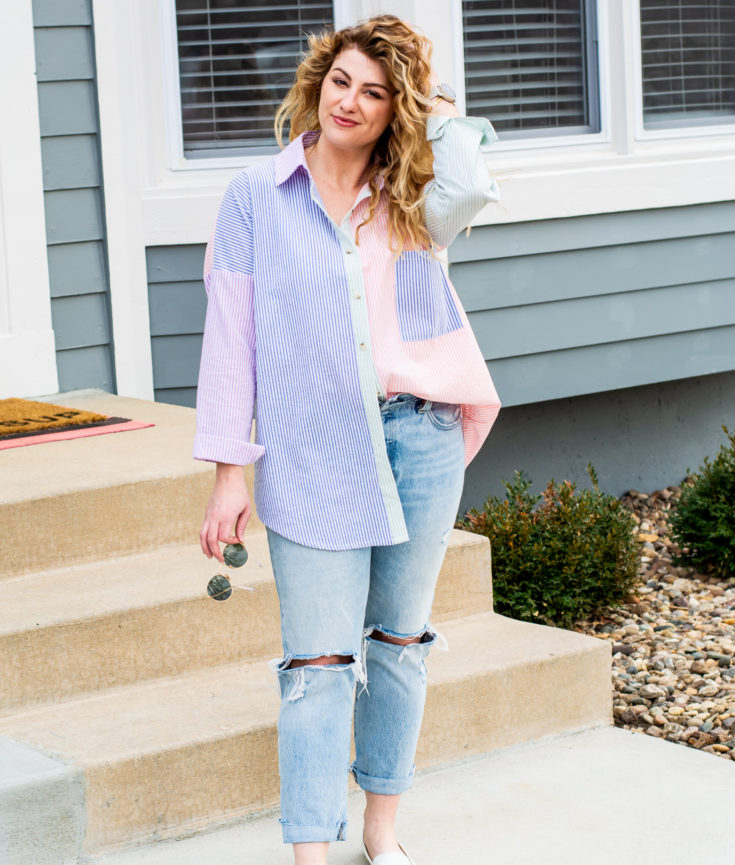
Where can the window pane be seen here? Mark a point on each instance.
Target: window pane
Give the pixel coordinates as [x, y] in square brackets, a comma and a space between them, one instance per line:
[529, 65]
[236, 63]
[688, 55]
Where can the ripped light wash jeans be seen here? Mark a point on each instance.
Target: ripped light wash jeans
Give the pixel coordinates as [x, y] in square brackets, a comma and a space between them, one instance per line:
[332, 601]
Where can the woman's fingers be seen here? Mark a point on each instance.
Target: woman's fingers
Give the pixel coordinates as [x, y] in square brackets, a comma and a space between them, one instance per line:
[228, 507]
[210, 540]
[213, 533]
[204, 538]
[242, 521]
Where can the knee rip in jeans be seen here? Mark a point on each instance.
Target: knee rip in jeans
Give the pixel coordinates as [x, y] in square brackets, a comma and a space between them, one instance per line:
[295, 668]
[426, 635]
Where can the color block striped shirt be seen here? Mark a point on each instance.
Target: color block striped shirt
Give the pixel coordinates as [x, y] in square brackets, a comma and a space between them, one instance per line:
[305, 329]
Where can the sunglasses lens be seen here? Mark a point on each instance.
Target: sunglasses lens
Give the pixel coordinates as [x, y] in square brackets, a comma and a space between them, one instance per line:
[235, 555]
[219, 588]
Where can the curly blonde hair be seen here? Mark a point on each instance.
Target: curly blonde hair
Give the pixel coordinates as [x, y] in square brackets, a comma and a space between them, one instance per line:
[402, 155]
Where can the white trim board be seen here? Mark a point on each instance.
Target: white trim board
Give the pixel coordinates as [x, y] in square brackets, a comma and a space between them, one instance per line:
[582, 187]
[27, 364]
[27, 356]
[615, 170]
[119, 131]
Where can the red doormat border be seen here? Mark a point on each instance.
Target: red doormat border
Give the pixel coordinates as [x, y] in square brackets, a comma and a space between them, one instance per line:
[110, 425]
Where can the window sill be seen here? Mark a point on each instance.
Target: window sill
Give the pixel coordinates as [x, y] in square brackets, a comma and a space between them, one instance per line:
[542, 183]
[576, 182]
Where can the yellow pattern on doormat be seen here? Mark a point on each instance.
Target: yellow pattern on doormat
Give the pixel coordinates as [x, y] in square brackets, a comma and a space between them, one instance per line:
[22, 415]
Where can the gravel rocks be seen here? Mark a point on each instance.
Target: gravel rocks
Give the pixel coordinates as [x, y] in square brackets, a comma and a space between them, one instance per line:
[673, 645]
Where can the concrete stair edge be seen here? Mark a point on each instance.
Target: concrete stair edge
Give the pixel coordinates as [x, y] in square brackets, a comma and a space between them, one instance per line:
[207, 769]
[94, 626]
[554, 800]
[131, 490]
[42, 815]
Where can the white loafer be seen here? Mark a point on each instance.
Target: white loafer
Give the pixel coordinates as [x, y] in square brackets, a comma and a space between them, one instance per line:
[401, 858]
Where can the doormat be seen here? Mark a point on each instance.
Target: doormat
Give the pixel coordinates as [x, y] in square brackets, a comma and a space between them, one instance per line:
[25, 422]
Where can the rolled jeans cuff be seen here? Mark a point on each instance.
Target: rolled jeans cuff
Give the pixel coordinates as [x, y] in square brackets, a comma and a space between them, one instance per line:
[383, 786]
[301, 834]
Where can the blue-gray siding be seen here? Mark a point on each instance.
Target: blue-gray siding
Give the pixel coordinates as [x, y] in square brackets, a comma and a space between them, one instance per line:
[177, 305]
[74, 200]
[587, 304]
[560, 308]
[611, 338]
[642, 438]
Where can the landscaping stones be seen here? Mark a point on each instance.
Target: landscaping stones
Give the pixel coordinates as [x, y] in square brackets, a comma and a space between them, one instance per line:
[673, 644]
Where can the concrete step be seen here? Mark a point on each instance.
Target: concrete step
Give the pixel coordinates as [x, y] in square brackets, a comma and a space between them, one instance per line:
[602, 795]
[41, 808]
[173, 755]
[103, 624]
[108, 495]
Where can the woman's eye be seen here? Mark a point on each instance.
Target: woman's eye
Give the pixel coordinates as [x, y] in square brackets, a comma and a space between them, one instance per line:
[373, 93]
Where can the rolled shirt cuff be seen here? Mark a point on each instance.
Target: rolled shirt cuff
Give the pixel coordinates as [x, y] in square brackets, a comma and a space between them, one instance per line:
[437, 125]
[221, 450]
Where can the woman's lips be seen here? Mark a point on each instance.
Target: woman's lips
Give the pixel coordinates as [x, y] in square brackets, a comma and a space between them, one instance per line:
[342, 122]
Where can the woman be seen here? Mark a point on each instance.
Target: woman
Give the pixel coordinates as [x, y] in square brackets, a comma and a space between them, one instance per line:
[326, 302]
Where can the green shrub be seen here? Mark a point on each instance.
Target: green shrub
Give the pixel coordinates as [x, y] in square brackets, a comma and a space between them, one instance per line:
[703, 523]
[560, 556]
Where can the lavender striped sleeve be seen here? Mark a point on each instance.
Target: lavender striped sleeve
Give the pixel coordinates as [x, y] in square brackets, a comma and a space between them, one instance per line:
[226, 390]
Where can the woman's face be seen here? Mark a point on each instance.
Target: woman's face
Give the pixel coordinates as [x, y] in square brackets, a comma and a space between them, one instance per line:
[356, 103]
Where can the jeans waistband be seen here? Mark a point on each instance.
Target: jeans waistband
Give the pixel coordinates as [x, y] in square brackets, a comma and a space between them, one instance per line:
[421, 402]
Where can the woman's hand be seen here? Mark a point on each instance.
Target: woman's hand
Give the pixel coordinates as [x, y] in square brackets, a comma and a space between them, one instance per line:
[228, 506]
[438, 105]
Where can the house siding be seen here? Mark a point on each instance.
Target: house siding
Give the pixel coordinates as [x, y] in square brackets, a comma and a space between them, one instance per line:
[177, 306]
[595, 329]
[581, 305]
[73, 193]
[642, 438]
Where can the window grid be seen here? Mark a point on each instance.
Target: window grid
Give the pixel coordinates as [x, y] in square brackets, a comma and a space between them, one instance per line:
[236, 63]
[688, 62]
[530, 66]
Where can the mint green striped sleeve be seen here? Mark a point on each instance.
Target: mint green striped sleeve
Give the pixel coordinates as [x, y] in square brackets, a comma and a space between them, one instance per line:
[462, 185]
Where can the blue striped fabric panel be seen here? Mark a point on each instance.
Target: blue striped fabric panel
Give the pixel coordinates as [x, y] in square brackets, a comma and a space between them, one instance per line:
[425, 306]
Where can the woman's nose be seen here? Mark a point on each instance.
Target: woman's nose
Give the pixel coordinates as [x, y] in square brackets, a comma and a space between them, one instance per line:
[349, 100]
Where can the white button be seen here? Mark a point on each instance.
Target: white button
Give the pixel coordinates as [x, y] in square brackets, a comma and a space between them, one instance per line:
[358, 296]
[362, 346]
[348, 251]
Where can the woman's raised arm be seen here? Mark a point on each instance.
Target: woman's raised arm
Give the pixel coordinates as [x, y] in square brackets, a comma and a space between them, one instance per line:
[462, 185]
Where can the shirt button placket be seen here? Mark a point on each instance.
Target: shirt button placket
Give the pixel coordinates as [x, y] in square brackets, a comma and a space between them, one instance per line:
[353, 277]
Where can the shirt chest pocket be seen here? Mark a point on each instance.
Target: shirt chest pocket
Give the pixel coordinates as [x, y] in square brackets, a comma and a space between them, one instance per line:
[424, 301]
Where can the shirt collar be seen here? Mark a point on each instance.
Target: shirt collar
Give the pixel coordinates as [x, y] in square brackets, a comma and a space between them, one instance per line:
[292, 157]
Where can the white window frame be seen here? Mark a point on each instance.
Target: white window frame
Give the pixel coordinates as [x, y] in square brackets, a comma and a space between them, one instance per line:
[619, 168]
[345, 11]
[709, 130]
[539, 141]
[149, 202]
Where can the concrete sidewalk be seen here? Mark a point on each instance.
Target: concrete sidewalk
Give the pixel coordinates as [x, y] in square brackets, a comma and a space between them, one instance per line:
[602, 796]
